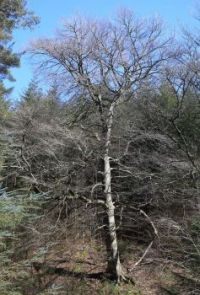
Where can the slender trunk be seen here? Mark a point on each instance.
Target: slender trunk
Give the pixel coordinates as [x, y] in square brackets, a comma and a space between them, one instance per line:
[114, 264]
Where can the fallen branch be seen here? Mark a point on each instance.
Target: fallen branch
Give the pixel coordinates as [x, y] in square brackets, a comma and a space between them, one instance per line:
[150, 221]
[142, 257]
[148, 218]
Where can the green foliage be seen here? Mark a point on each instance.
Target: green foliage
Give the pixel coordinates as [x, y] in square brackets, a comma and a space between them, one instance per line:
[4, 109]
[13, 14]
[166, 99]
[15, 209]
[2, 151]
[31, 95]
[11, 214]
[196, 227]
[189, 123]
[12, 210]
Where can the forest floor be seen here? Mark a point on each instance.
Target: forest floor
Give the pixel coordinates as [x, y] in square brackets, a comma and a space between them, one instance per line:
[78, 267]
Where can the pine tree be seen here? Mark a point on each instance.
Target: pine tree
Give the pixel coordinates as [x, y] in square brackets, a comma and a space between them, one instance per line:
[13, 14]
[32, 94]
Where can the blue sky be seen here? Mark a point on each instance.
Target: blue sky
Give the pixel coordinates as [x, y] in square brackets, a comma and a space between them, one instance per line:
[174, 13]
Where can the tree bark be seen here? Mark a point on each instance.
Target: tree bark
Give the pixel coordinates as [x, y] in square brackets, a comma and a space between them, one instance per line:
[114, 264]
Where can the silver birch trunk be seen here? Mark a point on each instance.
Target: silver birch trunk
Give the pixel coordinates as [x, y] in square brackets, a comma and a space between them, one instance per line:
[114, 264]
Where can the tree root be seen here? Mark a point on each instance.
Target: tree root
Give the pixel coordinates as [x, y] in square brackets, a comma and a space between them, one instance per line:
[122, 276]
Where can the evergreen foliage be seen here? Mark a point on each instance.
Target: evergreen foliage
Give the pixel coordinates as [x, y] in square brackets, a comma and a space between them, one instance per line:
[13, 14]
[15, 209]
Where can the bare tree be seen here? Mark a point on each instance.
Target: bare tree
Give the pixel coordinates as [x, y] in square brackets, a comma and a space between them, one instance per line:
[107, 62]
